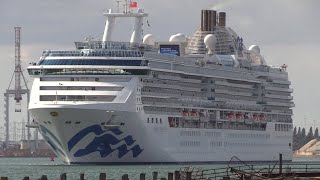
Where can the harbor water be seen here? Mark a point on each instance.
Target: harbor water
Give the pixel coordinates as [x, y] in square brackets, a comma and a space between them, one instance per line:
[17, 168]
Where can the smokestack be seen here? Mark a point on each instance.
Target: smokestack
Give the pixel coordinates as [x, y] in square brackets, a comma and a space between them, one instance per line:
[202, 18]
[209, 20]
[222, 19]
[213, 19]
[206, 25]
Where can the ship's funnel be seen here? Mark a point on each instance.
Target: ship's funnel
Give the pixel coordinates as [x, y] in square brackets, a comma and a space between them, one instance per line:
[208, 20]
[213, 19]
[202, 20]
[222, 19]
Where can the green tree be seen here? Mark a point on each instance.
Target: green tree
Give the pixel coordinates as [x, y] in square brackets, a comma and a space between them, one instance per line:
[316, 134]
[294, 139]
[309, 136]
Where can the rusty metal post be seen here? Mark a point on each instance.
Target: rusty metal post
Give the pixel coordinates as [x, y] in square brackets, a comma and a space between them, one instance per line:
[154, 175]
[142, 176]
[170, 176]
[189, 174]
[102, 176]
[44, 177]
[280, 163]
[125, 177]
[82, 176]
[63, 176]
[177, 175]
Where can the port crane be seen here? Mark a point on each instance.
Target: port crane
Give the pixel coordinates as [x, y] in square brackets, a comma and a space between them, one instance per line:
[17, 90]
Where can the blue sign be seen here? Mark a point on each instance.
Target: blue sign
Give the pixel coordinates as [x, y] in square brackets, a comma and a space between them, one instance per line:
[173, 49]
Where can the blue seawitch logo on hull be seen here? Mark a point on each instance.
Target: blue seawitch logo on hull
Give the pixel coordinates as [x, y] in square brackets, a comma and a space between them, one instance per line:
[103, 141]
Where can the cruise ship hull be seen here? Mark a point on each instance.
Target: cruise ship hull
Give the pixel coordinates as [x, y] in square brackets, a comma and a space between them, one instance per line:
[80, 135]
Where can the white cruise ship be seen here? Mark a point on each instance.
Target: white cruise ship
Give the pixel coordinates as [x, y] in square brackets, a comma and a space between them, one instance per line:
[198, 99]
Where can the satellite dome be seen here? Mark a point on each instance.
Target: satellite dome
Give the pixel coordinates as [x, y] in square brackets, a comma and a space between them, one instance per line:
[182, 37]
[175, 38]
[255, 48]
[148, 39]
[210, 41]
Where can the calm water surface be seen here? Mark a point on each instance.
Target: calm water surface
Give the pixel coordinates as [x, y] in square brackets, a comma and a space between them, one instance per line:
[17, 168]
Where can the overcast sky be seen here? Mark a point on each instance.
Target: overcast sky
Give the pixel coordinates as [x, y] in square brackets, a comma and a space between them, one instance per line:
[287, 32]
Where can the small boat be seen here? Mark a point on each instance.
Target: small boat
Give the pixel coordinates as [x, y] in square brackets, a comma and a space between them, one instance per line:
[52, 157]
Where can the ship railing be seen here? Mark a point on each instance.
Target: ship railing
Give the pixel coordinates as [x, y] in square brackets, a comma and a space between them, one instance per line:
[94, 53]
[113, 45]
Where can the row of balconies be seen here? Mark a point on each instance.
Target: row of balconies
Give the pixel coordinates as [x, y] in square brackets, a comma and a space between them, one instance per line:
[233, 85]
[279, 89]
[279, 96]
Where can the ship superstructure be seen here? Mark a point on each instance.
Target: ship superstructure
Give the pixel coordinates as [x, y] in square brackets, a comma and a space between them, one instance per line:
[203, 98]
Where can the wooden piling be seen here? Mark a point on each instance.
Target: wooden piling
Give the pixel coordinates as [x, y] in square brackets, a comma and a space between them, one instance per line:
[170, 176]
[189, 174]
[44, 177]
[154, 175]
[177, 175]
[163, 179]
[26, 178]
[142, 176]
[280, 163]
[125, 177]
[103, 176]
[82, 176]
[4, 178]
[63, 176]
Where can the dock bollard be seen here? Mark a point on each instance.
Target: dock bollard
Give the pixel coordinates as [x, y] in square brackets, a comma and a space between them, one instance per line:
[4, 178]
[63, 176]
[177, 175]
[154, 175]
[82, 176]
[142, 176]
[44, 177]
[103, 176]
[125, 177]
[170, 176]
[189, 175]
[26, 178]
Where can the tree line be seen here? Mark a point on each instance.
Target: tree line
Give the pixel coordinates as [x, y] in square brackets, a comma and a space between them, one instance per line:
[300, 137]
